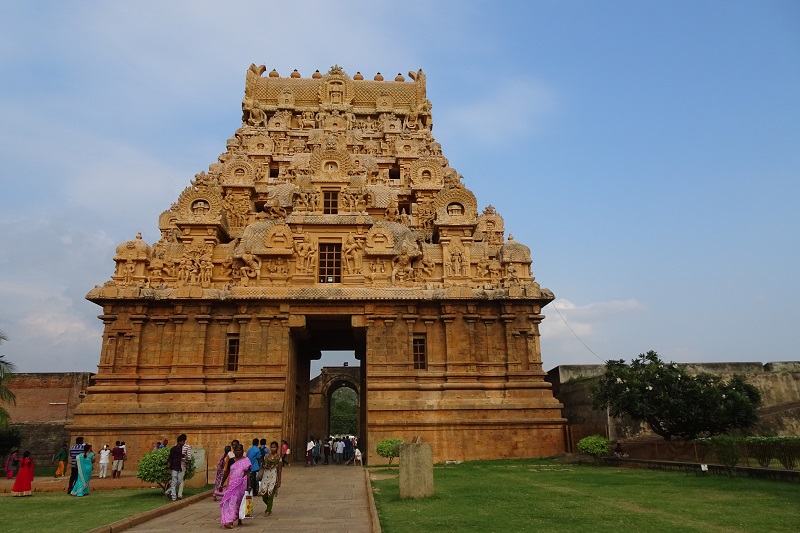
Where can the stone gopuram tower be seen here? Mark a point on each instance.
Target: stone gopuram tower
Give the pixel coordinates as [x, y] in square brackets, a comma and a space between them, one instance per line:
[331, 222]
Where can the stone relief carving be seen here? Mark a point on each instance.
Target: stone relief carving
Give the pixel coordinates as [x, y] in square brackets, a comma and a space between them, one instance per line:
[306, 255]
[353, 252]
[397, 194]
[379, 240]
[237, 206]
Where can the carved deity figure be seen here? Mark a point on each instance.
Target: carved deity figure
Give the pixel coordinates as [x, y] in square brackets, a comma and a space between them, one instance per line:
[483, 267]
[252, 114]
[353, 255]
[404, 218]
[237, 206]
[392, 212]
[512, 278]
[206, 270]
[401, 266]
[494, 271]
[272, 207]
[127, 272]
[425, 213]
[457, 259]
[307, 120]
[251, 267]
[306, 256]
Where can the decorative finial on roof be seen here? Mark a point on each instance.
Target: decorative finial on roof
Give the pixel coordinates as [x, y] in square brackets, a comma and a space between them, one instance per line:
[358, 76]
[399, 77]
[295, 74]
[378, 77]
[274, 74]
[316, 75]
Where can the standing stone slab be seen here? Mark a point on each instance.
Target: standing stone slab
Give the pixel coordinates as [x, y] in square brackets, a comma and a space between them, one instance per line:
[416, 470]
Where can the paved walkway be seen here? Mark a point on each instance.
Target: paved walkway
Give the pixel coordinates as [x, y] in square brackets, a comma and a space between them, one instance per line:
[320, 499]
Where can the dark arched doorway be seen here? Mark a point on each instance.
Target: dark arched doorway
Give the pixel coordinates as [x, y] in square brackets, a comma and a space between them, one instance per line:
[312, 412]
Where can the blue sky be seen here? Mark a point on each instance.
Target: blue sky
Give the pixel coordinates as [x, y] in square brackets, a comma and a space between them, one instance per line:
[647, 152]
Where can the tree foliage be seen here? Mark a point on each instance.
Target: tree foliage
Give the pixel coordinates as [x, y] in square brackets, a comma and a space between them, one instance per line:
[674, 403]
[389, 448]
[153, 468]
[344, 412]
[7, 369]
[10, 438]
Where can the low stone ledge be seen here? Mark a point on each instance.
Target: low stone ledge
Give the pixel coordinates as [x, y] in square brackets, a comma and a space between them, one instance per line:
[132, 521]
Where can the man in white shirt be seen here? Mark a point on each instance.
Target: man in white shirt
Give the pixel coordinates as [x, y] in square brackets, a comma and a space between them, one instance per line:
[105, 453]
[340, 451]
[310, 452]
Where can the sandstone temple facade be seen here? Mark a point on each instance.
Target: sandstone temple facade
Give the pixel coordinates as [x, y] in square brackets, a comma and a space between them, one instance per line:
[332, 221]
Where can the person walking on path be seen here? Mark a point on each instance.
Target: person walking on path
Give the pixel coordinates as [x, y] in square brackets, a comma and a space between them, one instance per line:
[285, 453]
[74, 451]
[271, 481]
[238, 474]
[174, 462]
[105, 453]
[12, 464]
[326, 449]
[340, 451]
[254, 454]
[61, 456]
[186, 455]
[310, 451]
[85, 461]
[222, 465]
[118, 456]
[22, 485]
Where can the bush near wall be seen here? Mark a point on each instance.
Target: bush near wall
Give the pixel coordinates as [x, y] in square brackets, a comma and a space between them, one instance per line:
[595, 445]
[729, 448]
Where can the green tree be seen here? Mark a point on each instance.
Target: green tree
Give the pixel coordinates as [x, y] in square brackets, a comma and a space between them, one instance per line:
[389, 448]
[7, 369]
[344, 412]
[153, 468]
[673, 403]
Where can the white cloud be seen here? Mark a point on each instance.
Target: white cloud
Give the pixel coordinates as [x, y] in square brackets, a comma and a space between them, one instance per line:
[516, 106]
[571, 332]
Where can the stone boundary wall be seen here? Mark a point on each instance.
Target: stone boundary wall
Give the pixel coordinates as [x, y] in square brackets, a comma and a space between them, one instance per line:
[778, 382]
[45, 405]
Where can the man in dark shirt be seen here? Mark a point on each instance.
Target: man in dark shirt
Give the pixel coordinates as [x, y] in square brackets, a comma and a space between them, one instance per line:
[118, 455]
[74, 452]
[175, 467]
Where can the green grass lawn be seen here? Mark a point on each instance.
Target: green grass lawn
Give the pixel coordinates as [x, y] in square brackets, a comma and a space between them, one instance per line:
[59, 512]
[542, 495]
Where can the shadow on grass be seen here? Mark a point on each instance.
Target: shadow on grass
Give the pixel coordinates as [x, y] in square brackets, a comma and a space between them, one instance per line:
[62, 513]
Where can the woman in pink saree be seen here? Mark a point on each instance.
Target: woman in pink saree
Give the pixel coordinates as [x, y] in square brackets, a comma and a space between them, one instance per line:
[237, 485]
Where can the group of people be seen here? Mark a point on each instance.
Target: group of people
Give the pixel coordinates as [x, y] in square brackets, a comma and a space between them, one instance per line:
[20, 468]
[257, 471]
[336, 450]
[81, 458]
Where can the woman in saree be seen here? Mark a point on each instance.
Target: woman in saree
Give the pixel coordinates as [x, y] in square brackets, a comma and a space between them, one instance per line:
[219, 491]
[84, 462]
[22, 485]
[271, 481]
[238, 474]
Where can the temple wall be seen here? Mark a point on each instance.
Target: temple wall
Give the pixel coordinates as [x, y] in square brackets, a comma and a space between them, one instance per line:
[482, 378]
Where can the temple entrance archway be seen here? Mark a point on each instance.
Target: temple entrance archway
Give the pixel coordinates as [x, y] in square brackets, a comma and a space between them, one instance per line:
[312, 400]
